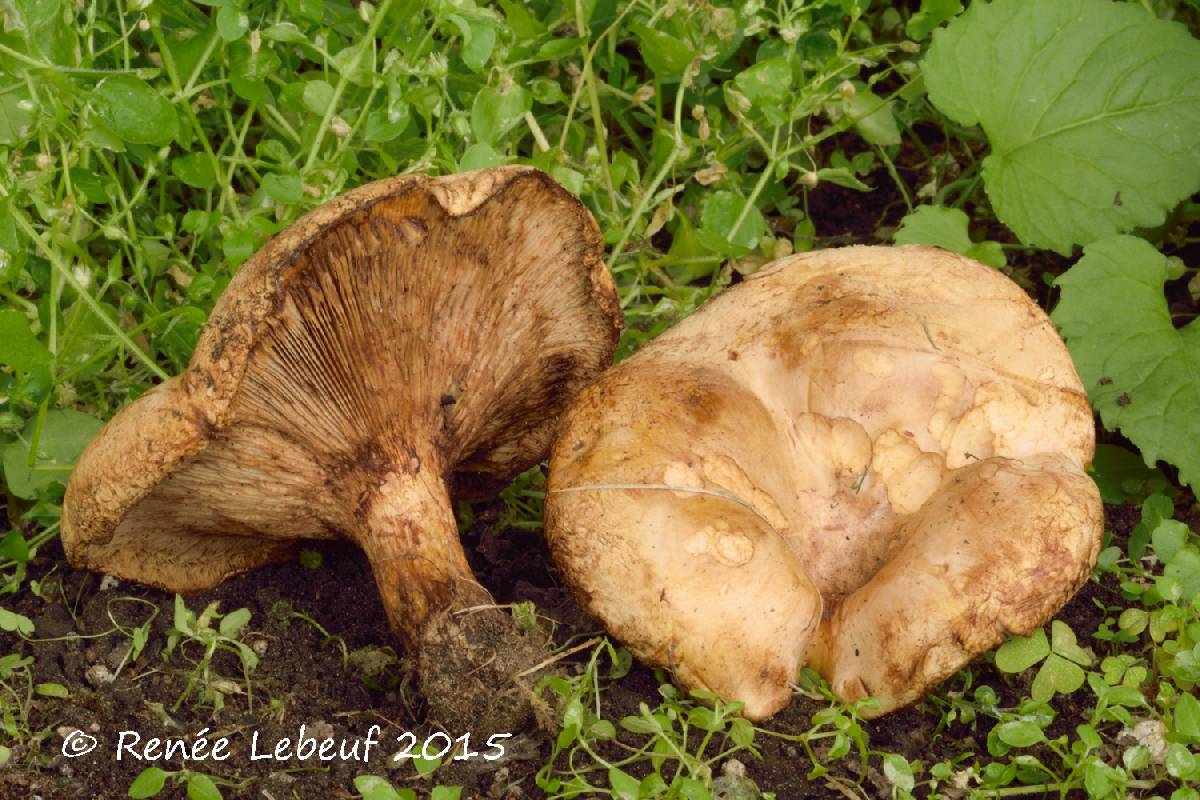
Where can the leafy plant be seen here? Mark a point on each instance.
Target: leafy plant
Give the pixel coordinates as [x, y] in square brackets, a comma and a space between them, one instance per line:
[1084, 144]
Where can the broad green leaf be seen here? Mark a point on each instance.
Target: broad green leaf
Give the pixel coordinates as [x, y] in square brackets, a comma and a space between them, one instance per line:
[1168, 538]
[946, 228]
[479, 39]
[385, 124]
[1021, 652]
[768, 85]
[1092, 109]
[497, 111]
[16, 117]
[373, 787]
[666, 56]
[51, 690]
[1122, 475]
[1185, 567]
[446, 793]
[1056, 675]
[19, 348]
[13, 622]
[63, 436]
[201, 787]
[148, 783]
[233, 622]
[194, 169]
[317, 96]
[898, 771]
[1020, 733]
[283, 188]
[1187, 716]
[718, 215]
[1141, 372]
[875, 121]
[1063, 642]
[232, 21]
[932, 14]
[134, 111]
[624, 785]
[479, 156]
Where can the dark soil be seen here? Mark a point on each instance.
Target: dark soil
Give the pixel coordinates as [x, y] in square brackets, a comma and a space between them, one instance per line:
[339, 685]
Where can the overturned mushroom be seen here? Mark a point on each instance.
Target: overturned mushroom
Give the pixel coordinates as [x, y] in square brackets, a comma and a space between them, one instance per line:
[411, 340]
[869, 461]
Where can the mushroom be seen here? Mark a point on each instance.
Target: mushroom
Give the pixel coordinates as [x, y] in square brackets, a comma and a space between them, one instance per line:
[412, 340]
[869, 461]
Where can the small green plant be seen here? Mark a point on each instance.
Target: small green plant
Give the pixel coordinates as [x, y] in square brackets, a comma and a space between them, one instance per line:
[151, 781]
[373, 787]
[190, 630]
[677, 743]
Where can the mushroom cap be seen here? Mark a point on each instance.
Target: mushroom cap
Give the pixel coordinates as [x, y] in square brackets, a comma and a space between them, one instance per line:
[868, 460]
[415, 323]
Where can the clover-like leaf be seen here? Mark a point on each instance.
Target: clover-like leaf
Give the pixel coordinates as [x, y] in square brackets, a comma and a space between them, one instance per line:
[946, 228]
[1021, 652]
[1056, 675]
[1063, 642]
[1092, 109]
[1141, 372]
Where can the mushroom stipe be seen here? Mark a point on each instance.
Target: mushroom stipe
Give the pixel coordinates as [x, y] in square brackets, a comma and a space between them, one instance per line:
[413, 339]
[870, 461]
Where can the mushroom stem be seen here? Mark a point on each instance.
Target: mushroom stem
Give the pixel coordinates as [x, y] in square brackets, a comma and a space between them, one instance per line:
[472, 664]
[411, 539]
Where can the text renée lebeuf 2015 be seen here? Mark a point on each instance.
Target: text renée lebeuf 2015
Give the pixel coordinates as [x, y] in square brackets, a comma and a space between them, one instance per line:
[304, 748]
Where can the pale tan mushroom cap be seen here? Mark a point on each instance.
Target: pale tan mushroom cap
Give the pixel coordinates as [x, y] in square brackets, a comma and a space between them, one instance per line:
[414, 331]
[886, 448]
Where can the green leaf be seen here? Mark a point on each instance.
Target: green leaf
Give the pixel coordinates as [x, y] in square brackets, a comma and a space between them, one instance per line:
[897, 770]
[15, 623]
[875, 121]
[1123, 477]
[932, 14]
[496, 111]
[232, 22]
[233, 622]
[1020, 733]
[1091, 108]
[720, 211]
[51, 690]
[446, 793]
[317, 96]
[768, 85]
[286, 189]
[19, 348]
[134, 111]
[623, 784]
[1056, 675]
[666, 56]
[1168, 538]
[946, 228]
[201, 787]
[373, 787]
[479, 156]
[1187, 716]
[1021, 652]
[1141, 372]
[479, 39]
[148, 783]
[1063, 642]
[1185, 567]
[385, 124]
[194, 169]
[16, 117]
[64, 434]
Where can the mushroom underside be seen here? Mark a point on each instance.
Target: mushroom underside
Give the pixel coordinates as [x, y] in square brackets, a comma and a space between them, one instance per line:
[344, 389]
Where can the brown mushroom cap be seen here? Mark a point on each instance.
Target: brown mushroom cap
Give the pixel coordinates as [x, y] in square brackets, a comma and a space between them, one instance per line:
[867, 460]
[412, 337]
